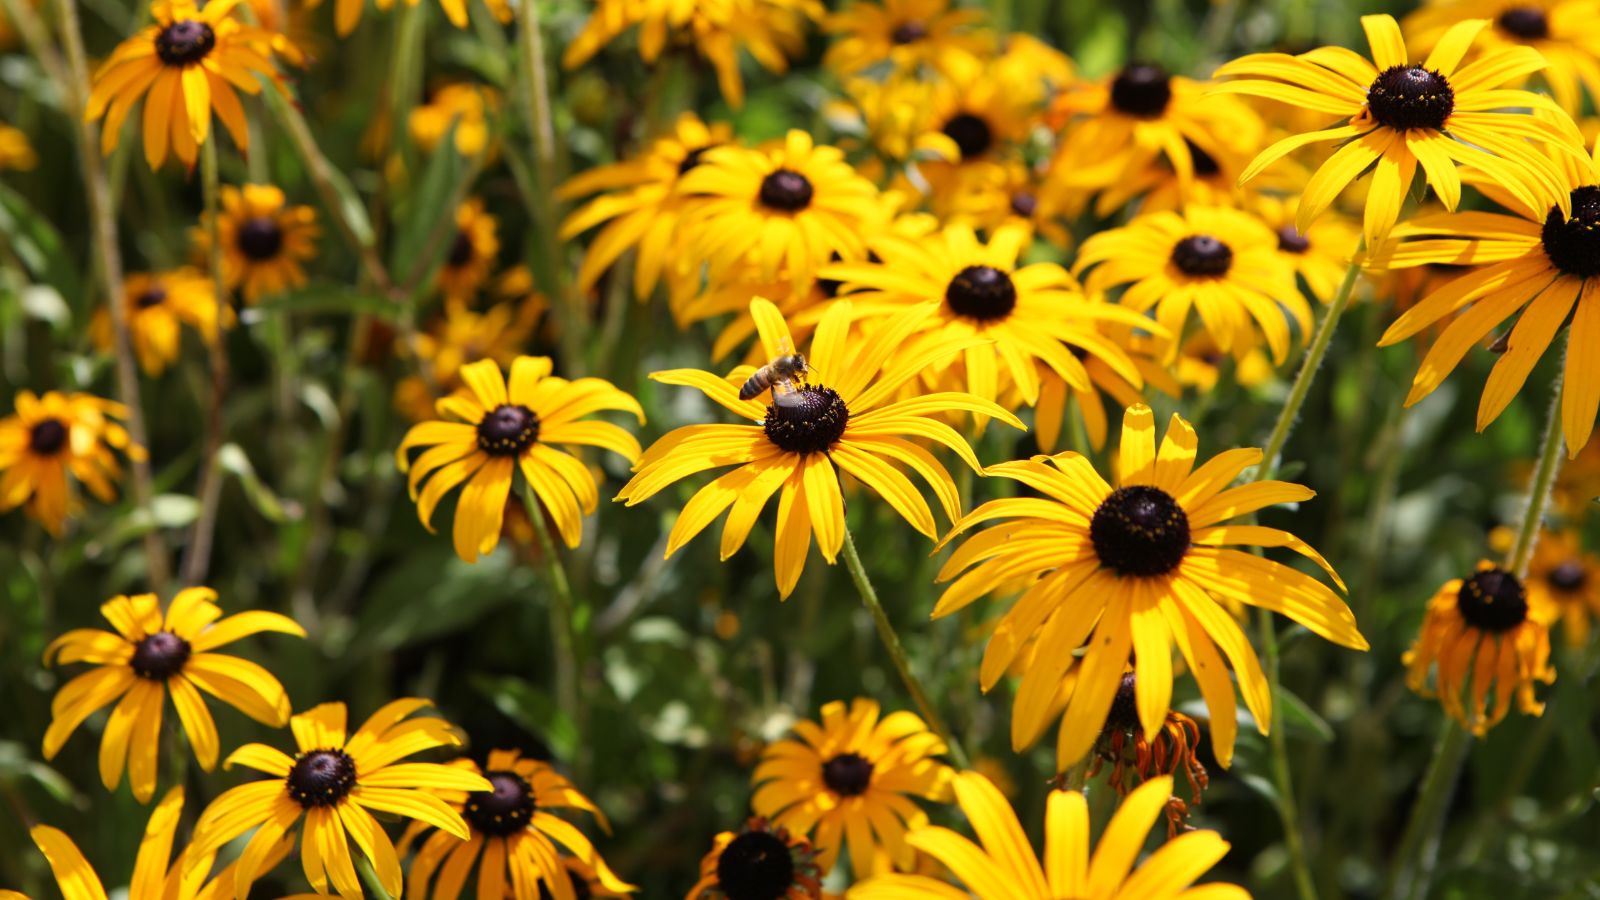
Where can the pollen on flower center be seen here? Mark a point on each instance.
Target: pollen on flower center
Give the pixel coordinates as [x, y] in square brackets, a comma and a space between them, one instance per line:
[159, 656]
[508, 429]
[811, 420]
[1493, 600]
[1201, 254]
[1140, 530]
[909, 32]
[185, 42]
[47, 437]
[1573, 245]
[321, 778]
[848, 774]
[755, 865]
[153, 297]
[1142, 90]
[786, 191]
[1525, 22]
[1569, 577]
[461, 251]
[1404, 97]
[983, 293]
[259, 238]
[971, 134]
[503, 811]
[1292, 241]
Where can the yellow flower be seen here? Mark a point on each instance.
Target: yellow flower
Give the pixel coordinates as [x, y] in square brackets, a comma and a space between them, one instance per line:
[770, 30]
[1136, 759]
[1005, 867]
[512, 827]
[1007, 316]
[1486, 632]
[331, 787]
[1200, 363]
[850, 778]
[1223, 263]
[15, 151]
[642, 206]
[152, 879]
[1565, 32]
[150, 657]
[1133, 570]
[1321, 254]
[1437, 114]
[1571, 579]
[264, 240]
[1050, 413]
[465, 107]
[47, 438]
[157, 305]
[787, 207]
[759, 861]
[808, 436]
[909, 35]
[347, 13]
[1011, 194]
[190, 62]
[472, 253]
[461, 336]
[501, 430]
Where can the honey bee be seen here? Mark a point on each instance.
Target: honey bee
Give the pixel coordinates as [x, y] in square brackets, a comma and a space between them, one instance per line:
[780, 375]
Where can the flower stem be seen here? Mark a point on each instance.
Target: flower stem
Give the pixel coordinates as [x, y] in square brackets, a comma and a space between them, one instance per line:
[197, 559]
[562, 622]
[98, 191]
[1419, 845]
[1544, 477]
[897, 652]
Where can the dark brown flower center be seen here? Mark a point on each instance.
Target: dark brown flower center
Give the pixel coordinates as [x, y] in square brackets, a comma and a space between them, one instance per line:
[503, 811]
[185, 42]
[755, 865]
[461, 250]
[159, 656]
[811, 420]
[508, 429]
[1024, 204]
[47, 437]
[1142, 90]
[909, 32]
[971, 133]
[1404, 97]
[259, 238]
[1201, 255]
[1292, 241]
[1124, 714]
[321, 778]
[155, 296]
[785, 190]
[983, 293]
[1573, 245]
[1569, 577]
[1140, 530]
[1526, 23]
[1493, 600]
[1205, 165]
[848, 774]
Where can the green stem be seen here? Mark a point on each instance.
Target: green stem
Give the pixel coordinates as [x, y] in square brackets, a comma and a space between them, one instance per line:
[1419, 845]
[369, 877]
[1544, 477]
[197, 560]
[562, 621]
[897, 652]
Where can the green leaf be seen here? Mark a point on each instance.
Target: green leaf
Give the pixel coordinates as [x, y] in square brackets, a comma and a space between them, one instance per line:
[1299, 717]
[333, 299]
[37, 243]
[426, 210]
[233, 460]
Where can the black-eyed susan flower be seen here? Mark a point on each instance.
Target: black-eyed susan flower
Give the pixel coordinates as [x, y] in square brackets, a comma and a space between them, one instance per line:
[1105, 386]
[151, 657]
[1564, 32]
[1436, 114]
[1321, 254]
[802, 439]
[460, 336]
[156, 875]
[1013, 193]
[641, 205]
[1005, 866]
[1135, 759]
[786, 207]
[771, 31]
[48, 438]
[513, 830]
[472, 252]
[1213, 181]
[347, 13]
[331, 787]
[850, 779]
[467, 108]
[265, 241]
[1008, 315]
[1571, 579]
[1543, 262]
[1128, 121]
[157, 305]
[1488, 632]
[1221, 263]
[910, 35]
[1131, 571]
[502, 428]
[1201, 364]
[760, 861]
[16, 152]
[185, 65]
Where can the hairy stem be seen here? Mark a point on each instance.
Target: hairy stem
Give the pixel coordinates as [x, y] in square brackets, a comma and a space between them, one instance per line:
[562, 622]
